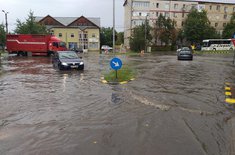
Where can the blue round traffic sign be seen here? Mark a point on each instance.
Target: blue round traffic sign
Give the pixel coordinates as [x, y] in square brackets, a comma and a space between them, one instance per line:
[116, 63]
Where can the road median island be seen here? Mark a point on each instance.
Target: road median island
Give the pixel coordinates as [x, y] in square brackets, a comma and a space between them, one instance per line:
[229, 94]
[124, 76]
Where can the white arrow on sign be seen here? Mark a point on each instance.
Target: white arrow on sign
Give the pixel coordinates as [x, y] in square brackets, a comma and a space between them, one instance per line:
[115, 63]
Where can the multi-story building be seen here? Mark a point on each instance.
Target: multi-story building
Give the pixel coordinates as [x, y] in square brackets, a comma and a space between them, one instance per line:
[80, 32]
[138, 11]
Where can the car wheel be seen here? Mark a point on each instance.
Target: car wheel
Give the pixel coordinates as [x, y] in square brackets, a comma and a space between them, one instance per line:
[60, 67]
[81, 67]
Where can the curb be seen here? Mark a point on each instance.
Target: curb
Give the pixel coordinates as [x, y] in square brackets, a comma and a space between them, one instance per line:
[214, 52]
[115, 83]
[228, 94]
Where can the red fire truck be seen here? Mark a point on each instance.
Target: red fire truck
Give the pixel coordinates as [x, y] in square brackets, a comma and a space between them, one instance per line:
[33, 44]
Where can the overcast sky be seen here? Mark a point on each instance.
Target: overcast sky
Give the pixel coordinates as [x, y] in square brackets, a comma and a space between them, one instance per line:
[19, 9]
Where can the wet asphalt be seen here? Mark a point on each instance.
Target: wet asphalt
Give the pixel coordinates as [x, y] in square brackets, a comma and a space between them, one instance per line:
[171, 108]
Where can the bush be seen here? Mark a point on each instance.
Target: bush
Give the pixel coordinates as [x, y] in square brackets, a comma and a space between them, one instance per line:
[124, 74]
[163, 48]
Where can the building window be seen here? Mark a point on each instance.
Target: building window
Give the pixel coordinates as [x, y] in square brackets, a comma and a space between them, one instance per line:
[175, 15]
[72, 35]
[224, 24]
[60, 34]
[157, 14]
[167, 5]
[157, 5]
[234, 9]
[167, 15]
[73, 45]
[52, 32]
[136, 14]
[193, 7]
[182, 15]
[182, 23]
[138, 22]
[216, 24]
[175, 6]
[140, 4]
[93, 45]
[225, 9]
[210, 7]
[83, 41]
[93, 35]
[218, 7]
[184, 6]
[225, 16]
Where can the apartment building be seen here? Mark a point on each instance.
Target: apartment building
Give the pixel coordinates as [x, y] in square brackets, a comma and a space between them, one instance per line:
[80, 32]
[137, 11]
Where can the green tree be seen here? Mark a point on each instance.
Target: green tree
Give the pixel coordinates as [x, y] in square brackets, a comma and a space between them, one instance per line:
[197, 27]
[106, 36]
[30, 26]
[137, 40]
[2, 36]
[165, 31]
[120, 38]
[229, 29]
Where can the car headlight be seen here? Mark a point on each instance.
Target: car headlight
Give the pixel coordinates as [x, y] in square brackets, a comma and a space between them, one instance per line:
[64, 64]
[81, 63]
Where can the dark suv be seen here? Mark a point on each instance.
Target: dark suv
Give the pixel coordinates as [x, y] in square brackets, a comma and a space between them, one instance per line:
[67, 60]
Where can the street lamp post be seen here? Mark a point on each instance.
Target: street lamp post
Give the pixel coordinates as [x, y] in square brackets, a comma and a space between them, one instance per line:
[113, 25]
[6, 20]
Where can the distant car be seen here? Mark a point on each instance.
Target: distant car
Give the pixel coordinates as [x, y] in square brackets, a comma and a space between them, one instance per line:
[67, 60]
[106, 48]
[78, 50]
[185, 53]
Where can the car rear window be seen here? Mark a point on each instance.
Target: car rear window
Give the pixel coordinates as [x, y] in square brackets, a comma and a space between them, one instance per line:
[185, 52]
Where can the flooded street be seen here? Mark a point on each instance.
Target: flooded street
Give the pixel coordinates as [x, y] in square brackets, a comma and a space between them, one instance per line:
[171, 108]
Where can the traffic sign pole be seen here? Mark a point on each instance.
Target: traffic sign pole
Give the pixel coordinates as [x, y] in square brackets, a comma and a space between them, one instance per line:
[116, 64]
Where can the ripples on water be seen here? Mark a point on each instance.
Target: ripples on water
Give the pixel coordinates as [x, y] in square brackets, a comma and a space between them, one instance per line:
[170, 104]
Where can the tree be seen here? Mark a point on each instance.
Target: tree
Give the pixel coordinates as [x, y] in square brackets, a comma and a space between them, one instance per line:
[106, 36]
[164, 30]
[2, 36]
[120, 38]
[30, 26]
[137, 41]
[229, 29]
[197, 27]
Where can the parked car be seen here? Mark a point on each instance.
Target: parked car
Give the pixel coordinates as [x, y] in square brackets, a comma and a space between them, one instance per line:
[76, 49]
[185, 53]
[106, 48]
[67, 60]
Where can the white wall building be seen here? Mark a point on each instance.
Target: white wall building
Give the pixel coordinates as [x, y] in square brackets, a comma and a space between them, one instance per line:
[137, 11]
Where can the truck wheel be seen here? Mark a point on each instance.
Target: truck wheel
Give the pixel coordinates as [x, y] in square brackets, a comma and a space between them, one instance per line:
[21, 53]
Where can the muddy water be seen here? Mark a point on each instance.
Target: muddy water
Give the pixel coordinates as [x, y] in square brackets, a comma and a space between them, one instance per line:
[171, 108]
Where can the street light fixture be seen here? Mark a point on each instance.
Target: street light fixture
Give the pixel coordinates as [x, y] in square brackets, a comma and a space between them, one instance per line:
[6, 20]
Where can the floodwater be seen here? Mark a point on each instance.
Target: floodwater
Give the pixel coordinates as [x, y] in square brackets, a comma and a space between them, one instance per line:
[171, 108]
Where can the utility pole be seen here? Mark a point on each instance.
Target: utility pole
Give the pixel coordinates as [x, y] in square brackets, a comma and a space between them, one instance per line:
[145, 34]
[6, 20]
[113, 25]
